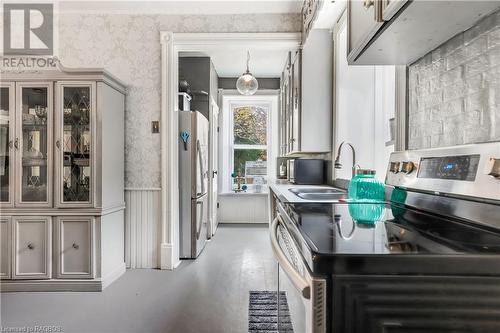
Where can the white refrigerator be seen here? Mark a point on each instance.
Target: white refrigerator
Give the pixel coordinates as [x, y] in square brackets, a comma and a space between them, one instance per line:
[193, 182]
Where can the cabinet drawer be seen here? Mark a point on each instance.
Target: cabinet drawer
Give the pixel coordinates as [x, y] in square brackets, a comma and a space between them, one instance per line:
[32, 247]
[74, 247]
[5, 247]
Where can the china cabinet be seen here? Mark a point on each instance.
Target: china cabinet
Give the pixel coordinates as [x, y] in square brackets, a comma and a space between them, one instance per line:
[61, 180]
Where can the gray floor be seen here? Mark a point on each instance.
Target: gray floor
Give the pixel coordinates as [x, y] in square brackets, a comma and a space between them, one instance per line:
[206, 295]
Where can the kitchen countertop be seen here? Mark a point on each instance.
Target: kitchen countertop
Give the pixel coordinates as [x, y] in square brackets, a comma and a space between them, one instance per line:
[281, 189]
[399, 241]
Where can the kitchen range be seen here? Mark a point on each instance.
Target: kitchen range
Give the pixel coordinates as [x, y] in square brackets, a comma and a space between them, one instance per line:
[426, 259]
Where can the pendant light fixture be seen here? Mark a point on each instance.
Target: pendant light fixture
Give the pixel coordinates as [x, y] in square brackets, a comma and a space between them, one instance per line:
[247, 83]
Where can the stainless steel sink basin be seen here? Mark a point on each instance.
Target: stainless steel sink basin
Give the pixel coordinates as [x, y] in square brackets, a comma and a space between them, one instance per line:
[321, 196]
[315, 190]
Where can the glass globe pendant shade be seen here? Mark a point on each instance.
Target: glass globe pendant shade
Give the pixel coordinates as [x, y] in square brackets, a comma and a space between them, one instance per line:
[247, 84]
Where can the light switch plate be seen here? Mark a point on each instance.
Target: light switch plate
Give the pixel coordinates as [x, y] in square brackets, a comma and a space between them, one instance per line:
[155, 126]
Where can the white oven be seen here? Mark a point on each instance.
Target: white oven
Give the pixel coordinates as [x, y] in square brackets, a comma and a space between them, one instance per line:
[306, 294]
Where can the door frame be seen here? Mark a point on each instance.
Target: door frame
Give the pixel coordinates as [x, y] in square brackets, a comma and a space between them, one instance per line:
[171, 44]
[213, 168]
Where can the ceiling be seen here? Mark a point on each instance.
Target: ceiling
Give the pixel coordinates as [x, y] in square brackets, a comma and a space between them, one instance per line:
[184, 7]
[231, 62]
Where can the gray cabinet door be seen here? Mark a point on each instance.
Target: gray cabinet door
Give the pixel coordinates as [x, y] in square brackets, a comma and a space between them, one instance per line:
[74, 247]
[363, 22]
[295, 103]
[5, 247]
[75, 143]
[33, 144]
[391, 7]
[32, 247]
[7, 143]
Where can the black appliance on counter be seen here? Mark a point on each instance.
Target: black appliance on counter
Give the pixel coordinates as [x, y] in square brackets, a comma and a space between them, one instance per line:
[306, 171]
[427, 260]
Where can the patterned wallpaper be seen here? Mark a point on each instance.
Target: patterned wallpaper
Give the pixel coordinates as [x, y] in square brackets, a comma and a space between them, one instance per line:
[128, 46]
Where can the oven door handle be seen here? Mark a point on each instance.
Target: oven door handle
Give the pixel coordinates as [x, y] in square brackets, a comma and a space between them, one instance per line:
[298, 280]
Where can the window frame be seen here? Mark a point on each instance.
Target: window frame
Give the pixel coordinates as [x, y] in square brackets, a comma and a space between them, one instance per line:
[233, 146]
[267, 99]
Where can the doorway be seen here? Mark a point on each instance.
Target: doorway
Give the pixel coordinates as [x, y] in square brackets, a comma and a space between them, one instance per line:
[172, 45]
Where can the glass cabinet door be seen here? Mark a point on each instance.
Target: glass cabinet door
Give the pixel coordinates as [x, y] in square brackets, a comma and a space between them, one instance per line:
[33, 143]
[75, 178]
[7, 114]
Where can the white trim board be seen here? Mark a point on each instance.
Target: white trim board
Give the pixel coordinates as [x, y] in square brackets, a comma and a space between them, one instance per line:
[171, 44]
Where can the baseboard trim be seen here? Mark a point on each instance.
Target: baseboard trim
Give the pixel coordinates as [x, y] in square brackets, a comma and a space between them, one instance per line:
[113, 275]
[65, 285]
[51, 285]
[167, 260]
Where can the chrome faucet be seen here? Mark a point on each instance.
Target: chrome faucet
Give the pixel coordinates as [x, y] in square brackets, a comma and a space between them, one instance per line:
[338, 165]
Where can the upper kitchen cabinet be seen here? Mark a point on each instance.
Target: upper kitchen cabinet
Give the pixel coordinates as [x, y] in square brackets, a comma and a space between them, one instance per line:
[306, 97]
[398, 32]
[198, 78]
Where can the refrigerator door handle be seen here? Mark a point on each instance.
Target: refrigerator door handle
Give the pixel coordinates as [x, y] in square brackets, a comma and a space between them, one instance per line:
[202, 172]
[200, 219]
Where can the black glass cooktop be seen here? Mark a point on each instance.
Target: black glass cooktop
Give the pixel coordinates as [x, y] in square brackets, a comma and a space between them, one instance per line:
[379, 229]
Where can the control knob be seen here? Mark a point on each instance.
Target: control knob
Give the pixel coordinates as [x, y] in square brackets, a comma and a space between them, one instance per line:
[408, 167]
[394, 167]
[493, 167]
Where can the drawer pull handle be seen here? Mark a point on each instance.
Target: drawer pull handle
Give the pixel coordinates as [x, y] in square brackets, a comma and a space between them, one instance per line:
[31, 246]
[16, 143]
[76, 246]
[58, 144]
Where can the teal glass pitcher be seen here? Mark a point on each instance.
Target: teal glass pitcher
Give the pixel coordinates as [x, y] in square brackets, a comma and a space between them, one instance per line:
[365, 187]
[367, 195]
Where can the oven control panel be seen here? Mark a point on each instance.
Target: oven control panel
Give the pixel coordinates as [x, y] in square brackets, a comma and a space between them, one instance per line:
[471, 170]
[462, 167]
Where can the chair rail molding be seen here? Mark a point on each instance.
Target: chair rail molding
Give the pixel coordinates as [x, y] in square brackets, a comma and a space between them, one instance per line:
[171, 44]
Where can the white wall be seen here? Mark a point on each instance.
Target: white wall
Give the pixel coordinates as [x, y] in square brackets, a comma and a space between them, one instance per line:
[364, 103]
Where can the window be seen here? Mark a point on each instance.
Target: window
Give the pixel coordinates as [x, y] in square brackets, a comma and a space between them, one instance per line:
[250, 139]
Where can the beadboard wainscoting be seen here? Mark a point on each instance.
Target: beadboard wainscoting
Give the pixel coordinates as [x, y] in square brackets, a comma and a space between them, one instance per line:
[142, 227]
[243, 208]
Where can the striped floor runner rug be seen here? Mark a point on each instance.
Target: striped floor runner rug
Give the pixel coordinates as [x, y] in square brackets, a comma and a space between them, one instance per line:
[263, 313]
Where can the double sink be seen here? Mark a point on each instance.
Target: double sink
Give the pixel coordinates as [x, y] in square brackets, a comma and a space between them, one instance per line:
[319, 194]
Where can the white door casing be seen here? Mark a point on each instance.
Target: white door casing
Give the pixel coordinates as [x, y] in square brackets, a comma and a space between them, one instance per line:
[213, 168]
[171, 45]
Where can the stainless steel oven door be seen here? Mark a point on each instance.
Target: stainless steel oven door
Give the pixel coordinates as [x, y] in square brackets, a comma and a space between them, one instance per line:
[306, 295]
